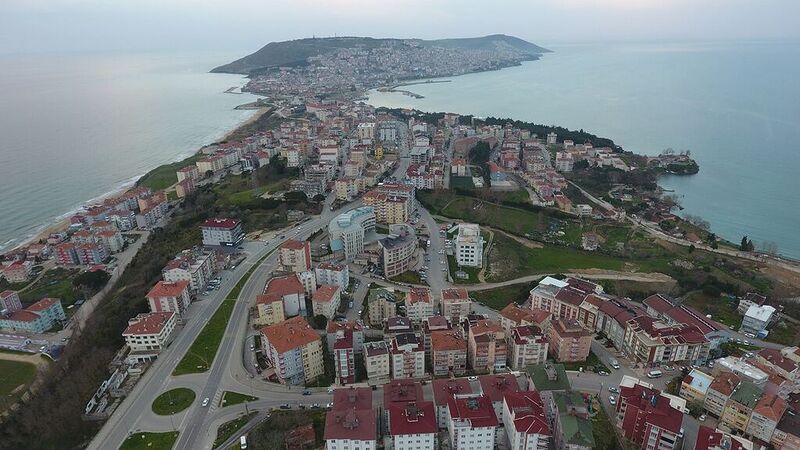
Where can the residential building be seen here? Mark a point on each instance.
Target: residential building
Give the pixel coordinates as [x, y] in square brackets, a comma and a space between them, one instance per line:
[419, 304]
[513, 316]
[744, 370]
[694, 386]
[349, 230]
[326, 300]
[169, 296]
[413, 426]
[269, 310]
[765, 417]
[344, 358]
[750, 299]
[292, 293]
[710, 439]
[487, 350]
[573, 298]
[719, 391]
[670, 312]
[9, 302]
[654, 343]
[295, 256]
[443, 390]
[377, 361]
[294, 349]
[448, 353]
[147, 334]
[568, 340]
[36, 318]
[528, 346]
[456, 304]
[337, 328]
[471, 422]
[469, 245]
[194, 266]
[328, 273]
[402, 392]
[399, 248]
[350, 429]
[431, 324]
[756, 319]
[572, 427]
[787, 434]
[397, 325]
[741, 403]
[222, 232]
[649, 419]
[380, 306]
[389, 208]
[525, 423]
[408, 356]
[775, 360]
[495, 387]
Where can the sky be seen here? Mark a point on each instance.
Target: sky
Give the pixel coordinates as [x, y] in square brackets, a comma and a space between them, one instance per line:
[41, 26]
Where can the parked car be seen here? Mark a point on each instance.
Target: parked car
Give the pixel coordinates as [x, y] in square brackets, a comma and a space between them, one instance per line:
[613, 389]
[612, 399]
[473, 378]
[285, 406]
[307, 392]
[702, 418]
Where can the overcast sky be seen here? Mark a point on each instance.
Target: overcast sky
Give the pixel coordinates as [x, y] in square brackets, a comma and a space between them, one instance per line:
[245, 25]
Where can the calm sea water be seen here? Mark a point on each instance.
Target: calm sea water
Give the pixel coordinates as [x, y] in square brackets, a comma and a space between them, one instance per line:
[74, 127]
[736, 106]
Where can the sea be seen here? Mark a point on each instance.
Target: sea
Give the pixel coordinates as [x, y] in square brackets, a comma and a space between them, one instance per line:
[77, 127]
[734, 105]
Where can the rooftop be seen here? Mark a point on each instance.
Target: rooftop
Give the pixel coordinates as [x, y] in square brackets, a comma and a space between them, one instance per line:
[549, 377]
[221, 223]
[412, 418]
[168, 289]
[43, 304]
[454, 294]
[419, 295]
[725, 383]
[528, 410]
[445, 340]
[402, 391]
[351, 424]
[708, 439]
[352, 397]
[477, 410]
[516, 314]
[290, 334]
[325, 293]
[285, 285]
[698, 380]
[747, 394]
[292, 244]
[376, 348]
[496, 386]
[443, 389]
[147, 323]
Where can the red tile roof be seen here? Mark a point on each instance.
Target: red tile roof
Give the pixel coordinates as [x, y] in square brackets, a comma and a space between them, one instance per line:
[771, 406]
[43, 304]
[452, 294]
[402, 391]
[708, 438]
[477, 410]
[292, 244]
[514, 313]
[24, 316]
[352, 325]
[148, 323]
[496, 386]
[445, 340]
[443, 389]
[266, 299]
[325, 293]
[775, 358]
[351, 424]
[221, 223]
[485, 326]
[653, 405]
[290, 334]
[285, 285]
[528, 410]
[725, 383]
[417, 295]
[168, 289]
[352, 397]
[412, 418]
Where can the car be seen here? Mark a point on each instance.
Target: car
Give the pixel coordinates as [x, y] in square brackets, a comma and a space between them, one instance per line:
[603, 373]
[702, 418]
[473, 378]
[613, 389]
[315, 406]
[252, 347]
[205, 401]
[330, 390]
[307, 392]
[612, 399]
[360, 311]
[680, 434]
[285, 406]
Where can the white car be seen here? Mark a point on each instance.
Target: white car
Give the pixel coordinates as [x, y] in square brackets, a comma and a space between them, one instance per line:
[612, 399]
[205, 402]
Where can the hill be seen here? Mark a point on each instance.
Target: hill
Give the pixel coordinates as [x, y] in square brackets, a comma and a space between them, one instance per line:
[293, 53]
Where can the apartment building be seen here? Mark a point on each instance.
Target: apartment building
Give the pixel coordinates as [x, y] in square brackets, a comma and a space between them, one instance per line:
[495, 387]
[443, 390]
[381, 305]
[524, 421]
[36, 318]
[336, 328]
[649, 419]
[487, 350]
[711, 439]
[348, 231]
[471, 422]
[350, 429]
[407, 356]
[419, 304]
[719, 391]
[513, 316]
[399, 248]
[377, 361]
[269, 310]
[9, 302]
[295, 256]
[222, 232]
[413, 426]
[169, 296]
[344, 358]
[741, 403]
[469, 245]
[389, 209]
[654, 343]
[291, 292]
[528, 345]
[456, 304]
[294, 349]
[568, 341]
[572, 298]
[765, 417]
[326, 300]
[147, 334]
[694, 386]
[328, 273]
[448, 353]
[193, 265]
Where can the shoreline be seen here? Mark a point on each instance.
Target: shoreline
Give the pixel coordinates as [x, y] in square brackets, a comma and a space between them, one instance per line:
[62, 222]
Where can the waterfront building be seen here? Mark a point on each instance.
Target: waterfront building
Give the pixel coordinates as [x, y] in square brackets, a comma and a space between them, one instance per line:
[36, 318]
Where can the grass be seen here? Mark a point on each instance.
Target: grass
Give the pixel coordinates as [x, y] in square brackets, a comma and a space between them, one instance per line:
[150, 441]
[499, 298]
[14, 374]
[227, 429]
[783, 332]
[461, 182]
[592, 361]
[471, 271]
[165, 176]
[56, 283]
[721, 308]
[173, 401]
[272, 433]
[230, 398]
[605, 436]
[408, 277]
[201, 354]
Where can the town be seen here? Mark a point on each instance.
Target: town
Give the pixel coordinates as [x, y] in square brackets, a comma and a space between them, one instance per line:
[356, 277]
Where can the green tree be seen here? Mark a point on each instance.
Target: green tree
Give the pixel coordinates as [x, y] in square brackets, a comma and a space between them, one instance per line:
[319, 322]
[91, 281]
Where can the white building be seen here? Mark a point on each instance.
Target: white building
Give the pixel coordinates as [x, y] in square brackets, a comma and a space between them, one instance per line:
[168, 296]
[408, 356]
[377, 361]
[472, 422]
[419, 304]
[350, 429]
[328, 273]
[524, 420]
[222, 232]
[412, 426]
[195, 267]
[147, 334]
[326, 300]
[469, 245]
[349, 230]
[757, 318]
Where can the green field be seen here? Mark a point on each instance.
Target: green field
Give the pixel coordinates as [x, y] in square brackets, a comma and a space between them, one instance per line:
[453, 266]
[56, 283]
[408, 277]
[150, 441]
[227, 429]
[722, 309]
[15, 376]
[230, 398]
[165, 176]
[173, 401]
[499, 298]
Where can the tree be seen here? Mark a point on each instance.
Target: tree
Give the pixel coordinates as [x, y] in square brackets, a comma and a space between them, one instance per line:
[91, 281]
[319, 322]
[769, 247]
[296, 197]
[209, 173]
[691, 248]
[319, 198]
[744, 245]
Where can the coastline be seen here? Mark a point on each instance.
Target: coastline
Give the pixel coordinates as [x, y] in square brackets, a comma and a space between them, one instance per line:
[62, 221]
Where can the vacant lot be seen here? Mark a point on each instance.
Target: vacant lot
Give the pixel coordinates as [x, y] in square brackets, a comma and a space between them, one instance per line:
[15, 376]
[499, 298]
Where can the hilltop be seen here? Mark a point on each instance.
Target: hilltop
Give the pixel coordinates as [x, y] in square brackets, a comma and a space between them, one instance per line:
[296, 52]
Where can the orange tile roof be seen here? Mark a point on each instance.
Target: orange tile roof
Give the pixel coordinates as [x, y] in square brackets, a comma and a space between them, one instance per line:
[454, 294]
[447, 340]
[168, 289]
[516, 314]
[266, 299]
[325, 293]
[417, 295]
[148, 323]
[290, 334]
[43, 304]
[294, 245]
[485, 326]
[284, 285]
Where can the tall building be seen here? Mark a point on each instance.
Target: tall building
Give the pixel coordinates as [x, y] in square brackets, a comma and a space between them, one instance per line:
[448, 353]
[329, 273]
[413, 426]
[380, 305]
[419, 304]
[9, 302]
[469, 245]
[487, 350]
[399, 248]
[456, 304]
[377, 361]
[326, 300]
[408, 356]
[653, 342]
[36, 318]
[292, 293]
[648, 418]
[169, 296]
[295, 256]
[336, 329]
[344, 358]
[472, 422]
[294, 349]
[147, 334]
[269, 309]
[495, 387]
[350, 429]
[528, 346]
[193, 265]
[568, 340]
[222, 232]
[443, 390]
[710, 439]
[349, 230]
[524, 421]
